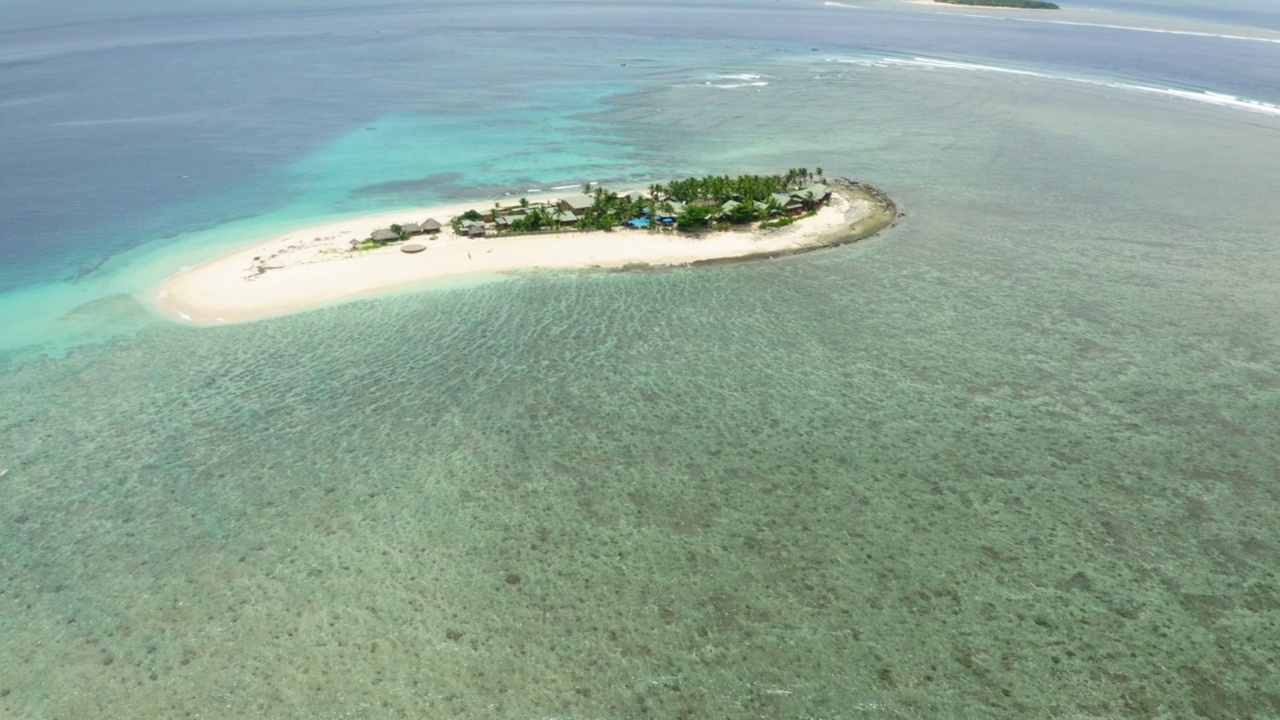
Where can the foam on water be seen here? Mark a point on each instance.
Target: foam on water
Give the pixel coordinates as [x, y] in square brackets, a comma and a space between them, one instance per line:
[1201, 96]
[731, 81]
[1164, 31]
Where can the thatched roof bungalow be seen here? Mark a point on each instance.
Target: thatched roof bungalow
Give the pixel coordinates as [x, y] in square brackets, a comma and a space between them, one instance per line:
[384, 235]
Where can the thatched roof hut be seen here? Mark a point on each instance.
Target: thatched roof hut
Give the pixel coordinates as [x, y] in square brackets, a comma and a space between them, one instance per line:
[431, 225]
[384, 235]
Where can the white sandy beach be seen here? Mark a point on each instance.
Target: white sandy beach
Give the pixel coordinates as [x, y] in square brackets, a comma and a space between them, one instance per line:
[315, 266]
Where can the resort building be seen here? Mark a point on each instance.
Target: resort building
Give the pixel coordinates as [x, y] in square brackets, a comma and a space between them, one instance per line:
[717, 201]
[577, 204]
[813, 194]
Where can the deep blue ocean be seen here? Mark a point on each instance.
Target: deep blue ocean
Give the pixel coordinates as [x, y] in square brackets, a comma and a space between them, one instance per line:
[1015, 458]
[160, 128]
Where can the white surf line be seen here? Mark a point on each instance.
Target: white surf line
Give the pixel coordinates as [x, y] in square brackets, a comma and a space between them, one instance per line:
[744, 79]
[1207, 97]
[1135, 28]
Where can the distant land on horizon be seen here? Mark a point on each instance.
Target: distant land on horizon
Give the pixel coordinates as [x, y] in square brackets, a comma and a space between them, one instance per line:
[1021, 4]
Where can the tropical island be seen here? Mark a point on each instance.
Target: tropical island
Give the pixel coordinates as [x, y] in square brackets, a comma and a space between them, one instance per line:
[694, 221]
[718, 202]
[1021, 4]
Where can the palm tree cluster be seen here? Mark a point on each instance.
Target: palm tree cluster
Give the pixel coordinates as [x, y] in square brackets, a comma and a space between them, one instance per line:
[608, 209]
[722, 188]
[535, 218]
[701, 199]
[692, 202]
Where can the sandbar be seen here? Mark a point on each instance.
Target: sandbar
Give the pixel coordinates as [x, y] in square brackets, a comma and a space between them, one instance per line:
[315, 266]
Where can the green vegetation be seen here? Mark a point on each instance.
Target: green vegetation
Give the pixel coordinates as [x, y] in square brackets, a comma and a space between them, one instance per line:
[722, 188]
[688, 204]
[537, 218]
[1026, 4]
[784, 221]
[608, 210]
[366, 244]
[694, 217]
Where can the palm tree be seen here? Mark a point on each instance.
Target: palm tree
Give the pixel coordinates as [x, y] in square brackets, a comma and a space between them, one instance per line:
[772, 207]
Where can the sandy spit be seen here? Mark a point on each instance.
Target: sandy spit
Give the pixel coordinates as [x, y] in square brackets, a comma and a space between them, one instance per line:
[314, 266]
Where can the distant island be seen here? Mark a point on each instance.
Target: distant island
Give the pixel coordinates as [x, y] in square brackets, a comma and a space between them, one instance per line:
[690, 222]
[1021, 4]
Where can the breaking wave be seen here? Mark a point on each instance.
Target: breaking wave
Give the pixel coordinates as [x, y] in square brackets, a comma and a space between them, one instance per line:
[1201, 96]
[731, 81]
[1135, 28]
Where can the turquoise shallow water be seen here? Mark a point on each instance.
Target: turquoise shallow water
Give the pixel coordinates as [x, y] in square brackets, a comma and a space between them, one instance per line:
[397, 160]
[779, 489]
[1014, 459]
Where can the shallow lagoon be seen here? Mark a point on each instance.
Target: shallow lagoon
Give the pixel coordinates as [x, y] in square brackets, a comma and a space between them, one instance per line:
[1013, 459]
